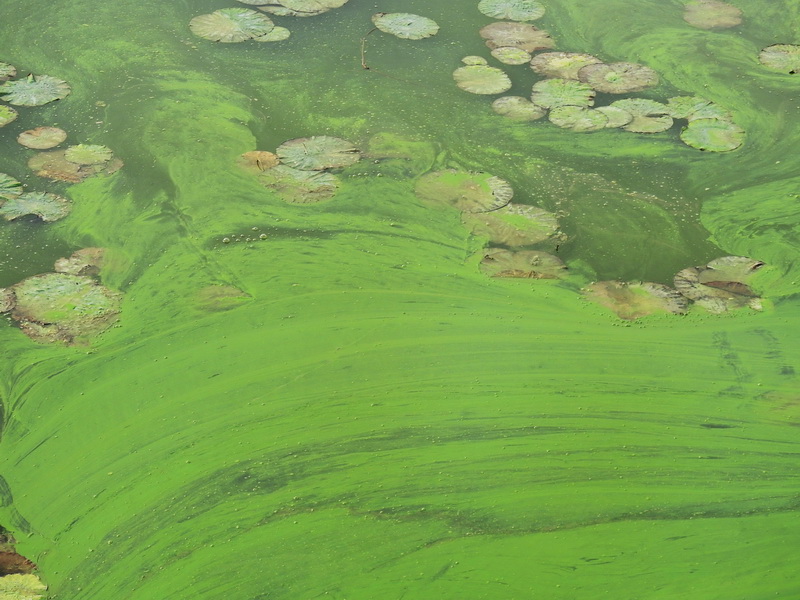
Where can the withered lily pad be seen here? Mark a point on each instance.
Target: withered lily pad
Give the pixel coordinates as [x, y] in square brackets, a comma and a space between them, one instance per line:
[9, 187]
[514, 225]
[280, 10]
[617, 117]
[49, 207]
[230, 25]
[551, 93]
[721, 285]
[578, 118]
[518, 108]
[503, 34]
[7, 300]
[618, 78]
[21, 586]
[42, 138]
[526, 264]
[711, 14]
[299, 186]
[513, 10]
[649, 116]
[469, 192]
[631, 301]
[317, 153]
[7, 71]
[256, 161]
[88, 154]
[86, 261]
[713, 135]
[694, 107]
[406, 25]
[511, 56]
[482, 79]
[308, 7]
[784, 58]
[53, 165]
[562, 65]
[34, 90]
[474, 60]
[7, 114]
[278, 34]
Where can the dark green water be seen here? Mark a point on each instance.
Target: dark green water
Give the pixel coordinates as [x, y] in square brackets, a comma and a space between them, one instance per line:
[376, 419]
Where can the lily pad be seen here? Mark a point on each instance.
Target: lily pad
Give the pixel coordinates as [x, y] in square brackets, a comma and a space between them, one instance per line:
[88, 154]
[299, 186]
[317, 153]
[257, 161]
[275, 8]
[469, 192]
[255, 2]
[63, 307]
[406, 25]
[512, 56]
[578, 118]
[21, 587]
[513, 225]
[53, 165]
[713, 135]
[551, 93]
[784, 58]
[711, 14]
[513, 10]
[618, 78]
[631, 301]
[7, 71]
[617, 117]
[49, 207]
[230, 25]
[86, 261]
[721, 285]
[9, 187]
[504, 34]
[649, 116]
[34, 90]
[278, 34]
[42, 138]
[482, 79]
[7, 114]
[562, 65]
[694, 107]
[518, 108]
[7, 300]
[527, 264]
[474, 60]
[312, 6]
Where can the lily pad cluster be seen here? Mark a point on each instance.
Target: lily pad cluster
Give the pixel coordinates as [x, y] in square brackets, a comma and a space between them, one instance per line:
[16, 203]
[33, 90]
[75, 163]
[711, 14]
[718, 287]
[300, 169]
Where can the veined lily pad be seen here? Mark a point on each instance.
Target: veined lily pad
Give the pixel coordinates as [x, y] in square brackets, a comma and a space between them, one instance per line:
[21, 586]
[721, 285]
[257, 161]
[781, 57]
[482, 79]
[469, 192]
[88, 154]
[562, 65]
[34, 90]
[617, 117]
[274, 8]
[317, 153]
[631, 301]
[713, 135]
[86, 261]
[513, 10]
[711, 14]
[551, 93]
[503, 34]
[512, 56]
[49, 207]
[474, 60]
[62, 307]
[405, 25]
[7, 114]
[618, 78]
[518, 108]
[694, 107]
[9, 187]
[649, 116]
[527, 264]
[278, 34]
[7, 71]
[299, 186]
[42, 138]
[54, 165]
[230, 25]
[578, 118]
[514, 225]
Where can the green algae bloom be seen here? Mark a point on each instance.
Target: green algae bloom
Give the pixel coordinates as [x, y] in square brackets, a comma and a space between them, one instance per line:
[482, 79]
[34, 90]
[406, 25]
[513, 10]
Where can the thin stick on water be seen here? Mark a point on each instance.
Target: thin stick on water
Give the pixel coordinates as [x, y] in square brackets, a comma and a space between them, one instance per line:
[364, 50]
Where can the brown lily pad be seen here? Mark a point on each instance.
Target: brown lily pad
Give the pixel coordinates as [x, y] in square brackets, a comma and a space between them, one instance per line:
[257, 161]
[514, 225]
[632, 300]
[711, 14]
[42, 138]
[86, 261]
[524, 264]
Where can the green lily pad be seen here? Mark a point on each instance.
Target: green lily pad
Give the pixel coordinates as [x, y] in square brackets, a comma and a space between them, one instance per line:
[21, 586]
[562, 65]
[278, 34]
[317, 153]
[7, 114]
[512, 56]
[784, 58]
[713, 135]
[86, 261]
[482, 79]
[526, 264]
[618, 78]
[518, 108]
[299, 186]
[63, 307]
[88, 154]
[280, 10]
[474, 60]
[711, 14]
[230, 25]
[649, 116]
[7, 71]
[504, 34]
[42, 138]
[720, 285]
[617, 117]
[513, 10]
[694, 107]
[406, 25]
[9, 187]
[513, 225]
[49, 207]
[312, 6]
[469, 192]
[35, 90]
[551, 93]
[631, 301]
[578, 118]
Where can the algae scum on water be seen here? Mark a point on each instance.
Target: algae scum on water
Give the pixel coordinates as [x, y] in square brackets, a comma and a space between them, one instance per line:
[416, 299]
